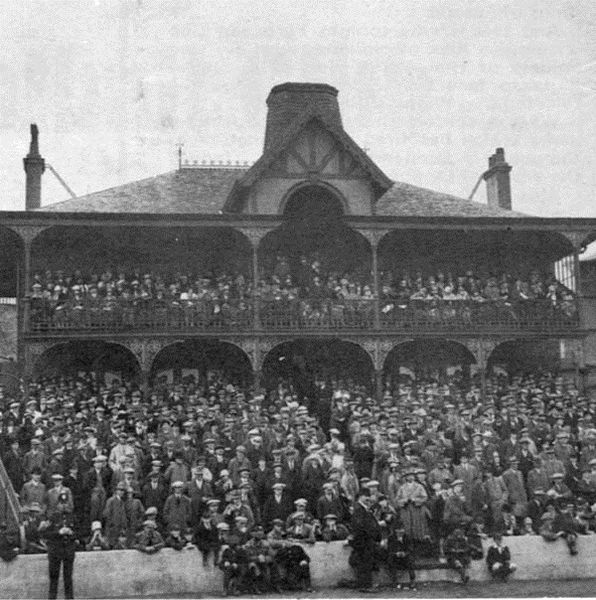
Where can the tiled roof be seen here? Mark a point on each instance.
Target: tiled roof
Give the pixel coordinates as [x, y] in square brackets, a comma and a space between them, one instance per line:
[187, 191]
[405, 200]
[204, 191]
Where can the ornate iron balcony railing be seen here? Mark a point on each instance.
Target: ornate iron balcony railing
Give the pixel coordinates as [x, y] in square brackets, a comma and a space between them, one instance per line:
[311, 314]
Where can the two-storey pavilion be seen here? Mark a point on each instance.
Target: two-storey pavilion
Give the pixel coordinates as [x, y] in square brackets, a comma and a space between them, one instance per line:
[313, 203]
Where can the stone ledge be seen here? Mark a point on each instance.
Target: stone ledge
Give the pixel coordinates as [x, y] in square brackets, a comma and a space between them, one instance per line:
[123, 573]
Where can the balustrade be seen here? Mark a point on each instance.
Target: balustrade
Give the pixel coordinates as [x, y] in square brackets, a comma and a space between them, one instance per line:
[431, 316]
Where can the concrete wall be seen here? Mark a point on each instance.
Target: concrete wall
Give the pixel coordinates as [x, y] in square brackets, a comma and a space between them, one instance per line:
[123, 573]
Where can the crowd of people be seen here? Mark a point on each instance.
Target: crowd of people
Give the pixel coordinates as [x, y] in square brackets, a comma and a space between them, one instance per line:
[302, 293]
[246, 478]
[141, 298]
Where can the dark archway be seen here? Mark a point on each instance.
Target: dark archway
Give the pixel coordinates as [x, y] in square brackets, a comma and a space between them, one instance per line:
[314, 232]
[307, 362]
[427, 359]
[313, 202]
[202, 360]
[526, 357]
[104, 359]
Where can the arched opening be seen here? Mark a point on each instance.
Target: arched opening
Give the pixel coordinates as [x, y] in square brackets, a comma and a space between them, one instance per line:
[426, 360]
[307, 364]
[312, 260]
[525, 357]
[313, 203]
[104, 360]
[201, 362]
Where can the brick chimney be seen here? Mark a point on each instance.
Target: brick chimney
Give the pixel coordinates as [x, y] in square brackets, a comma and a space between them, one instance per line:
[287, 100]
[498, 184]
[34, 167]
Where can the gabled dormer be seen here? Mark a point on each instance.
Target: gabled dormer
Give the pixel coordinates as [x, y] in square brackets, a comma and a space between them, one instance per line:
[306, 145]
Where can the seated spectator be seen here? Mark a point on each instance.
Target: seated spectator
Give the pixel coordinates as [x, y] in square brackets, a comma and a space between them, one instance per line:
[175, 539]
[97, 541]
[457, 551]
[32, 520]
[498, 559]
[333, 531]
[564, 525]
[149, 540]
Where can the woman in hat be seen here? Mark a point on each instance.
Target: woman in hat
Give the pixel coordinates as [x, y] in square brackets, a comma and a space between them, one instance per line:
[411, 500]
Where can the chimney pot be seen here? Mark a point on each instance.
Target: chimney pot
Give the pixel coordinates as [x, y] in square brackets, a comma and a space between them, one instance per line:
[498, 183]
[34, 165]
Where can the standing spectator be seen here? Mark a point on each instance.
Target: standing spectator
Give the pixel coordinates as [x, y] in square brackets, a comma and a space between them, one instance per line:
[366, 534]
[177, 510]
[33, 491]
[115, 514]
[516, 490]
[15, 465]
[61, 543]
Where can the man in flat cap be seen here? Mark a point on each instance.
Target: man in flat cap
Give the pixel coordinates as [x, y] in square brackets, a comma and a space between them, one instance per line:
[277, 506]
[115, 517]
[57, 494]
[149, 540]
[177, 508]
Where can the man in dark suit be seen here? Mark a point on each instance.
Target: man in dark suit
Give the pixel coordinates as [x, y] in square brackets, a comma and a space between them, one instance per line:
[277, 506]
[155, 491]
[366, 534]
[13, 463]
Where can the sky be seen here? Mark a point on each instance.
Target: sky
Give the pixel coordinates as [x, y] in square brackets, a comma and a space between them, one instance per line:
[429, 88]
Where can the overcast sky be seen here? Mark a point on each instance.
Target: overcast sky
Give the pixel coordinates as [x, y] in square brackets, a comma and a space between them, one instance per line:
[430, 88]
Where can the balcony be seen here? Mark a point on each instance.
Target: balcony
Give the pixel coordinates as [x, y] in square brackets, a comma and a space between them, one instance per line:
[301, 315]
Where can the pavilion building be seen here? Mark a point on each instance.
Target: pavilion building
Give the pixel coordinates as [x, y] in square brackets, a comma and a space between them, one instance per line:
[313, 192]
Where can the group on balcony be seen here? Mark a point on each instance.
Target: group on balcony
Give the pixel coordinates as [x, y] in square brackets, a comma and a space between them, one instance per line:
[141, 298]
[306, 292]
[476, 298]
